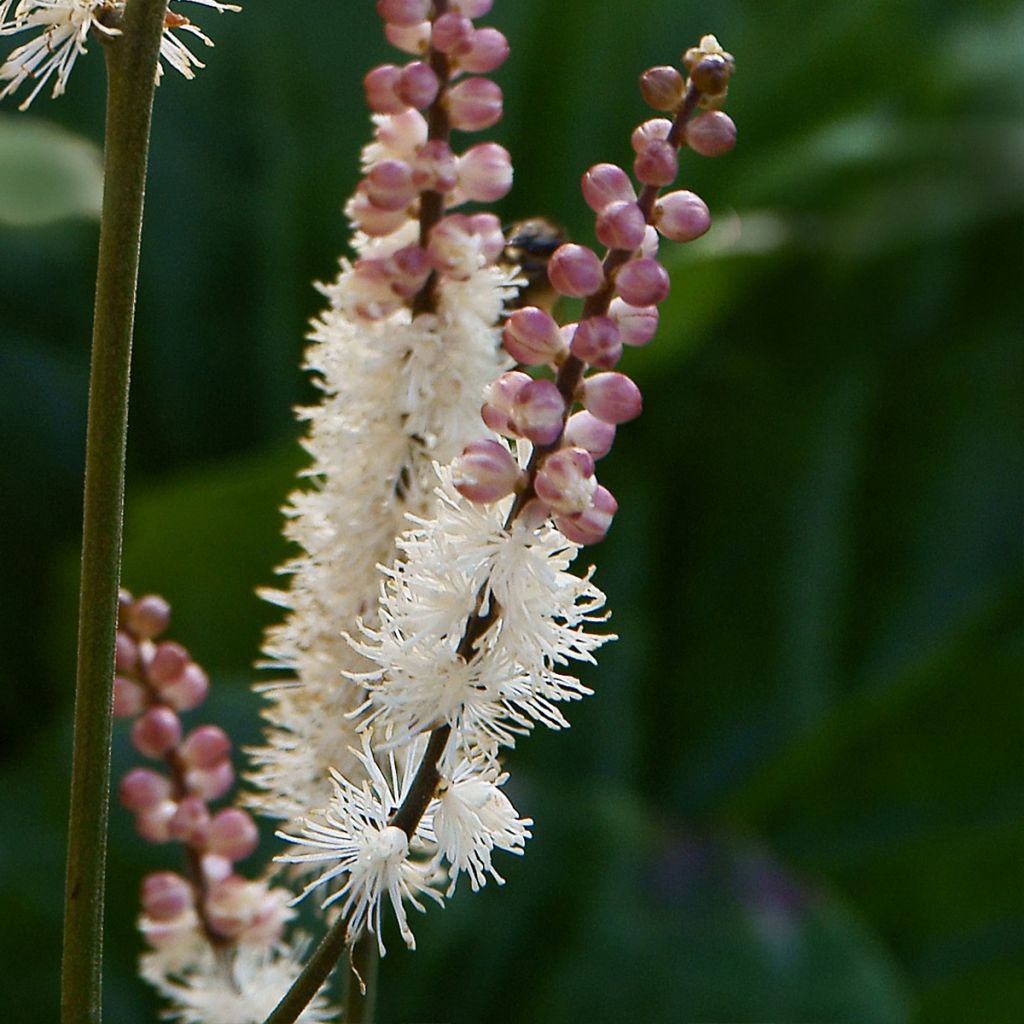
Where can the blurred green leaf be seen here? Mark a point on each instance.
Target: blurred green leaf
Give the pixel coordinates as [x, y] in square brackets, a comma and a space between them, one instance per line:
[47, 173]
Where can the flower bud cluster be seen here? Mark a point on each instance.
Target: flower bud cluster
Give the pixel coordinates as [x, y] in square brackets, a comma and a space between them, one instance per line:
[156, 679]
[621, 292]
[410, 168]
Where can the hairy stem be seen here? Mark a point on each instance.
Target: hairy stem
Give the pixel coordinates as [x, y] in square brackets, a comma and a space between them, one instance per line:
[131, 66]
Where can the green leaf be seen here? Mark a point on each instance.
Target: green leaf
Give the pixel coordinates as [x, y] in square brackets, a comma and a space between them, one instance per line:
[47, 174]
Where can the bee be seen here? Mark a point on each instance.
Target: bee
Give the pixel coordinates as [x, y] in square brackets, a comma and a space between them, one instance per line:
[528, 246]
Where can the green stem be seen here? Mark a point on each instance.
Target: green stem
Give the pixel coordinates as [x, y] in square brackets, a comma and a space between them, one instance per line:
[131, 67]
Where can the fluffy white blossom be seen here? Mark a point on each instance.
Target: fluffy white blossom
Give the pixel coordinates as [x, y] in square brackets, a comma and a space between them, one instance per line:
[65, 26]
[515, 678]
[472, 817]
[242, 989]
[366, 856]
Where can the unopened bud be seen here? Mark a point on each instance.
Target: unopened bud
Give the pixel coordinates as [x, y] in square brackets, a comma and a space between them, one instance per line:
[612, 397]
[662, 87]
[486, 471]
[474, 104]
[606, 183]
[538, 412]
[682, 216]
[642, 282]
[591, 526]
[575, 270]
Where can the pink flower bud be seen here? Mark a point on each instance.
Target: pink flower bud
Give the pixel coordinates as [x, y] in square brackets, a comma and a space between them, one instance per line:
[612, 397]
[418, 85]
[474, 104]
[149, 616]
[532, 337]
[402, 133]
[168, 662]
[499, 400]
[655, 130]
[487, 229]
[156, 732]
[711, 134]
[129, 697]
[642, 282]
[485, 172]
[453, 248]
[575, 270]
[165, 895]
[538, 412]
[142, 788]
[404, 12]
[591, 526]
[215, 867]
[126, 652]
[488, 50]
[124, 604]
[662, 88]
[372, 219]
[604, 184]
[637, 324]
[381, 86]
[389, 185]
[452, 33]
[657, 164]
[621, 225]
[681, 216]
[205, 746]
[471, 8]
[210, 783]
[160, 934]
[409, 38]
[152, 823]
[190, 821]
[565, 481]
[596, 342]
[584, 430]
[486, 471]
[235, 905]
[434, 167]
[189, 690]
[410, 268]
[232, 834]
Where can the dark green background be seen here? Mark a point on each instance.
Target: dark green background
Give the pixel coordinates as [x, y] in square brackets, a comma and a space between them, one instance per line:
[797, 794]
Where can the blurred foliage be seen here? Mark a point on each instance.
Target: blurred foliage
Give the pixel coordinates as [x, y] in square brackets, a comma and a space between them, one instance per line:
[797, 795]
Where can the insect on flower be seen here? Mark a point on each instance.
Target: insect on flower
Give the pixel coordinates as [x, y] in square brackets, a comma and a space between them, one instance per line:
[529, 245]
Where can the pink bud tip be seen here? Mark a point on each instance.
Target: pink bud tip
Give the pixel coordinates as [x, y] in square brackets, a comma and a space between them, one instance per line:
[538, 412]
[168, 662]
[657, 164]
[381, 86]
[404, 12]
[418, 85]
[389, 185]
[142, 788]
[153, 823]
[585, 430]
[210, 783]
[642, 282]
[621, 225]
[682, 216]
[575, 270]
[129, 697]
[190, 821]
[126, 652]
[149, 616]
[189, 690]
[409, 38]
[499, 400]
[485, 172]
[232, 834]
[372, 219]
[205, 746]
[532, 337]
[487, 229]
[215, 867]
[452, 33]
[402, 133]
[565, 481]
[591, 526]
[612, 397]
[488, 50]
[474, 104]
[486, 471]
[711, 134]
[604, 184]
[597, 343]
[165, 895]
[471, 8]
[662, 87]
[637, 324]
[156, 732]
[655, 130]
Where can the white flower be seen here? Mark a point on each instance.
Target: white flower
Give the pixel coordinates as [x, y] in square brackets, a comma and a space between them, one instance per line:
[472, 817]
[242, 990]
[371, 858]
[66, 25]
